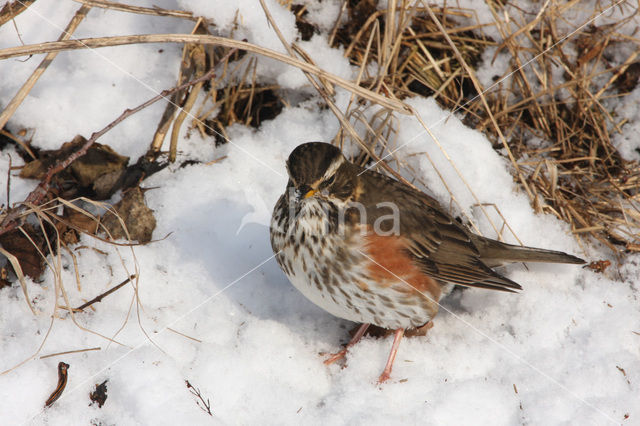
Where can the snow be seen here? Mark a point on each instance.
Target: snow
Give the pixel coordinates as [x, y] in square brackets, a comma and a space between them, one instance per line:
[627, 143]
[561, 343]
[104, 81]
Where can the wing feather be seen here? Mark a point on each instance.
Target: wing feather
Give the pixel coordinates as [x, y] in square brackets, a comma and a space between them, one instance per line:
[443, 248]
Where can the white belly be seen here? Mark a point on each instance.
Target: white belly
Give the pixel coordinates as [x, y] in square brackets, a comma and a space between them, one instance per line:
[332, 274]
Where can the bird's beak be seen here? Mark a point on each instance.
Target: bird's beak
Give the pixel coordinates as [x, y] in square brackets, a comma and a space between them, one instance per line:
[310, 193]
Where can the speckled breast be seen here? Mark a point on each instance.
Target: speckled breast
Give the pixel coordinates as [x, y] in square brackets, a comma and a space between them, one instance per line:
[328, 262]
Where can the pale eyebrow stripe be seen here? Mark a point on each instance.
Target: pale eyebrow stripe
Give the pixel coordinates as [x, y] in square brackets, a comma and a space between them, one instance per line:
[333, 168]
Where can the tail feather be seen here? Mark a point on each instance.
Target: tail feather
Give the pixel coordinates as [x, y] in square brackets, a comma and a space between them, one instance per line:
[495, 253]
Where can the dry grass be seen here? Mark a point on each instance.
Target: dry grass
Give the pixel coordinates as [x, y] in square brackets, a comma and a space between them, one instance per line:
[50, 240]
[577, 174]
[240, 101]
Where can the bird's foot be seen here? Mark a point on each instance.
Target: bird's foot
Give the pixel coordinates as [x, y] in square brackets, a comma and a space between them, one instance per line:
[335, 357]
[384, 376]
[356, 338]
[422, 330]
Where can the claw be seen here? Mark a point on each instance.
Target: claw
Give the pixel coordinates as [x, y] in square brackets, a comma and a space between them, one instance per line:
[355, 339]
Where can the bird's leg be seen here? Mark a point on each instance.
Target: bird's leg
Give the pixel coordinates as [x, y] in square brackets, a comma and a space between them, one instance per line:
[392, 356]
[422, 330]
[355, 339]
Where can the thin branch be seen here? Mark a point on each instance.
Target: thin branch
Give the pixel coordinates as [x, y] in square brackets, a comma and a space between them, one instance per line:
[204, 405]
[12, 9]
[22, 144]
[105, 294]
[9, 182]
[121, 7]
[71, 352]
[92, 43]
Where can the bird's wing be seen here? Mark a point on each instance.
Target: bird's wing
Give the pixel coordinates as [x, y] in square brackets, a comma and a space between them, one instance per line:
[443, 248]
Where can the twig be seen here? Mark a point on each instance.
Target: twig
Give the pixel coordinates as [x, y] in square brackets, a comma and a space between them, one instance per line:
[33, 78]
[19, 142]
[138, 9]
[105, 294]
[336, 24]
[217, 160]
[206, 406]
[194, 57]
[71, 352]
[92, 43]
[10, 10]
[184, 335]
[37, 195]
[15, 27]
[9, 182]
[172, 106]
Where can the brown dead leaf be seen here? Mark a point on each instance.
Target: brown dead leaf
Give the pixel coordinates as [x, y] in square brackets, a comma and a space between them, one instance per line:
[598, 266]
[107, 184]
[99, 395]
[35, 169]
[16, 243]
[73, 222]
[137, 217]
[81, 221]
[589, 50]
[99, 160]
[4, 278]
[629, 79]
[67, 235]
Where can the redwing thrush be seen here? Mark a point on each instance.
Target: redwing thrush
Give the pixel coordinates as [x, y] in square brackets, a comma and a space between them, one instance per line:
[373, 250]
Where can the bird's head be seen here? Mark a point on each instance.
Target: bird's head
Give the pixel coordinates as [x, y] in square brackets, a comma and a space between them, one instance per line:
[318, 169]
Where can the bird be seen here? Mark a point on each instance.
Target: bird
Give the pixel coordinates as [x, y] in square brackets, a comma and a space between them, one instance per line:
[373, 250]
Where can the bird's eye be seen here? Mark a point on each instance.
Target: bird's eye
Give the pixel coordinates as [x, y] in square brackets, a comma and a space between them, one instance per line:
[330, 181]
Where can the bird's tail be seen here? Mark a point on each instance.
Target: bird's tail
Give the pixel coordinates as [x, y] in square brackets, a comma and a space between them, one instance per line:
[496, 253]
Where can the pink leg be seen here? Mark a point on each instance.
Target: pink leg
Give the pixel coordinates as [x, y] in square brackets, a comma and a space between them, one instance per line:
[355, 339]
[392, 356]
